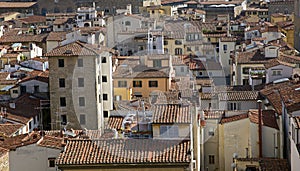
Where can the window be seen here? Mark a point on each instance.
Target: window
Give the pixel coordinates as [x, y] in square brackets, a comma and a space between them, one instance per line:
[181, 69]
[178, 42]
[156, 63]
[188, 49]
[169, 131]
[122, 83]
[30, 125]
[82, 119]
[225, 48]
[276, 72]
[234, 106]
[127, 23]
[105, 114]
[105, 97]
[245, 81]
[103, 59]
[36, 88]
[80, 82]
[15, 91]
[61, 63]
[104, 79]
[80, 63]
[178, 51]
[62, 102]
[51, 162]
[81, 101]
[246, 70]
[137, 83]
[153, 83]
[62, 83]
[211, 159]
[63, 119]
[165, 42]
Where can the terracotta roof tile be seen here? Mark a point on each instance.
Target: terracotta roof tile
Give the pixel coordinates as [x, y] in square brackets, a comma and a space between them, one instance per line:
[73, 49]
[51, 142]
[124, 151]
[115, 122]
[9, 129]
[59, 21]
[21, 38]
[33, 19]
[268, 118]
[254, 57]
[19, 140]
[171, 113]
[276, 62]
[274, 165]
[16, 4]
[57, 36]
[213, 114]
[238, 95]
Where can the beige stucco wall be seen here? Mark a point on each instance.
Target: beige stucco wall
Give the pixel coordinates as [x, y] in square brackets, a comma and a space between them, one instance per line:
[51, 45]
[183, 130]
[234, 138]
[145, 90]
[32, 157]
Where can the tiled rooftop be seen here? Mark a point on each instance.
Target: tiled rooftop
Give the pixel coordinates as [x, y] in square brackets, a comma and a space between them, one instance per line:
[124, 151]
[51, 142]
[171, 113]
[268, 118]
[16, 4]
[73, 49]
[56, 36]
[114, 122]
[9, 129]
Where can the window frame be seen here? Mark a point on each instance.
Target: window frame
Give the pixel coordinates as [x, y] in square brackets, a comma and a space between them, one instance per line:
[61, 63]
[153, 83]
[134, 83]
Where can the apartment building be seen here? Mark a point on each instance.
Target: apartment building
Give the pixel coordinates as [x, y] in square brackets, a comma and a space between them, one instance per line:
[80, 85]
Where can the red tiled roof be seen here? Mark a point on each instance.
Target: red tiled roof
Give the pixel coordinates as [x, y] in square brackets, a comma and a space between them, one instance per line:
[51, 142]
[115, 122]
[33, 19]
[17, 4]
[276, 62]
[19, 140]
[171, 113]
[59, 21]
[274, 165]
[268, 118]
[238, 95]
[9, 129]
[213, 114]
[73, 49]
[254, 57]
[124, 151]
[23, 38]
[57, 36]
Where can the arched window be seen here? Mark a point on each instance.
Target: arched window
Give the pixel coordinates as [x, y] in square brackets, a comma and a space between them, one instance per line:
[127, 23]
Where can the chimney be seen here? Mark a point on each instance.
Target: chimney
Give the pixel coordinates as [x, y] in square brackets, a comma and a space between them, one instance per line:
[259, 128]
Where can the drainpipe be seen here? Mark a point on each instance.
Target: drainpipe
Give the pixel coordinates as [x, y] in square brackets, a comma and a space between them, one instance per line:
[259, 128]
